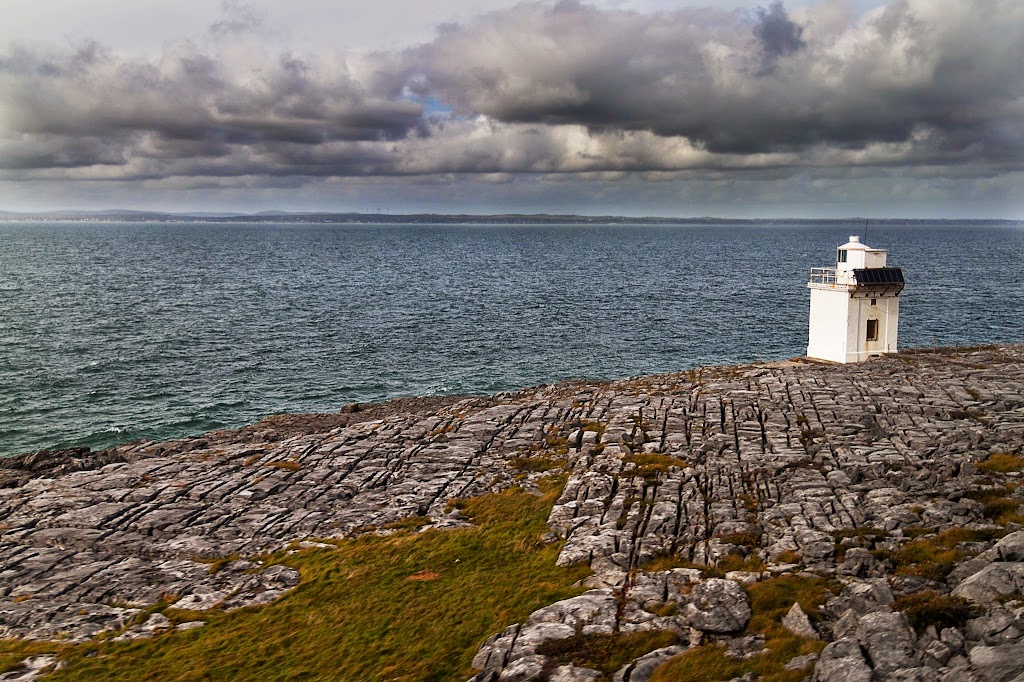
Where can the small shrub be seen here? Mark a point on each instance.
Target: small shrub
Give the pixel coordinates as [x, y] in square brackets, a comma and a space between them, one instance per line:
[735, 563]
[663, 609]
[931, 608]
[667, 563]
[604, 652]
[286, 464]
[747, 539]
[1000, 506]
[1002, 463]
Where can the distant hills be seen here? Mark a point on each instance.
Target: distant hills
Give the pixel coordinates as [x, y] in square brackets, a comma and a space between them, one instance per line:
[123, 215]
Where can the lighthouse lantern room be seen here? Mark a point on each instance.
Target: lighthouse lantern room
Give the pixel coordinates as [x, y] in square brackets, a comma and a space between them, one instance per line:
[855, 306]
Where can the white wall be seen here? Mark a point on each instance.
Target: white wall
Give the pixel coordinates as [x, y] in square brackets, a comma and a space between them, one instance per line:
[827, 330]
[886, 311]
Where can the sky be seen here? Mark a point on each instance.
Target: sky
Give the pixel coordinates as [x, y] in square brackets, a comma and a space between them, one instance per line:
[831, 108]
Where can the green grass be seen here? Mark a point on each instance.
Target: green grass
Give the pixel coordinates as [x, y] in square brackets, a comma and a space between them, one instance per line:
[13, 652]
[769, 601]
[357, 615]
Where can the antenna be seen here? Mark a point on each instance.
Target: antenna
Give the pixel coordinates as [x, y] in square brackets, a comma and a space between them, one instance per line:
[866, 230]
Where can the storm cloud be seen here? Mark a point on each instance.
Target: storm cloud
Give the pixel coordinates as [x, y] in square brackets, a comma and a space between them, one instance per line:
[542, 89]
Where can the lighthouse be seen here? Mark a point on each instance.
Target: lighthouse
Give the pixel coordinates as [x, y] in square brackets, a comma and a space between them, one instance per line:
[855, 306]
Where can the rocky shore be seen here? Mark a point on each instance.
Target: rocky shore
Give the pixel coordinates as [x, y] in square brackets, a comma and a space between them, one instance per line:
[893, 485]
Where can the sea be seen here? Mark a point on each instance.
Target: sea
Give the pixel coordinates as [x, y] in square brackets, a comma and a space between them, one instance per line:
[113, 332]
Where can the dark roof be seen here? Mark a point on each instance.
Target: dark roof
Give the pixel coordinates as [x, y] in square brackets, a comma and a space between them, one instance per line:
[879, 276]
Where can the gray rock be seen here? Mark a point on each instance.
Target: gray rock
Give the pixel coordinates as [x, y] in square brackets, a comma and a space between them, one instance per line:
[1011, 547]
[888, 640]
[523, 669]
[842, 661]
[190, 625]
[718, 606]
[643, 668]
[797, 622]
[800, 662]
[570, 673]
[31, 669]
[992, 582]
[997, 663]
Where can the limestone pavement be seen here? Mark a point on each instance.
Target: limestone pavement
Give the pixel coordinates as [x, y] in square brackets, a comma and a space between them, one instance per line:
[793, 468]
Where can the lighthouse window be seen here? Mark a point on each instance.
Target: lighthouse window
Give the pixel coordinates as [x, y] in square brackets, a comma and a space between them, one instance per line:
[842, 256]
[872, 330]
[874, 301]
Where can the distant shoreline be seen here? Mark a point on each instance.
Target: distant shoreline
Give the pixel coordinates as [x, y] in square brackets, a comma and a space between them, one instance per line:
[468, 219]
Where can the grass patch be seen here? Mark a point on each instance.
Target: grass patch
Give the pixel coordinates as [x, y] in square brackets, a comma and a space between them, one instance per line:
[790, 556]
[667, 563]
[932, 608]
[736, 563]
[1000, 506]
[724, 565]
[934, 557]
[1002, 463]
[651, 466]
[220, 562]
[536, 464]
[747, 539]
[605, 652]
[14, 651]
[769, 601]
[414, 522]
[357, 615]
[286, 464]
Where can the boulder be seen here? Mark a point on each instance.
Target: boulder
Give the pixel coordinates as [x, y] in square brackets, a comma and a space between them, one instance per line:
[797, 622]
[642, 668]
[842, 661]
[996, 580]
[1011, 547]
[570, 673]
[997, 663]
[718, 606]
[889, 641]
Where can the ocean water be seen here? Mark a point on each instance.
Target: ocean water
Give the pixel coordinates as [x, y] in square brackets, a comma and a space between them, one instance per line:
[112, 332]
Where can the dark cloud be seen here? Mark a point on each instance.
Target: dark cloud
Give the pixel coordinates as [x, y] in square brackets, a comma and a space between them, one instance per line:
[778, 35]
[701, 73]
[548, 90]
[188, 104]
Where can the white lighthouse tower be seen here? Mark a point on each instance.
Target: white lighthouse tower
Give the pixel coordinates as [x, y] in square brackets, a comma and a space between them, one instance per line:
[855, 306]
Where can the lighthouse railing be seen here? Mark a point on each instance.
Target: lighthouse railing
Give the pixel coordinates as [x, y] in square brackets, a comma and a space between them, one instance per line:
[823, 276]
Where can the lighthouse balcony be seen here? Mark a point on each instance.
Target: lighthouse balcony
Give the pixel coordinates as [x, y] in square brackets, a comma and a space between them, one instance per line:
[823, 276]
